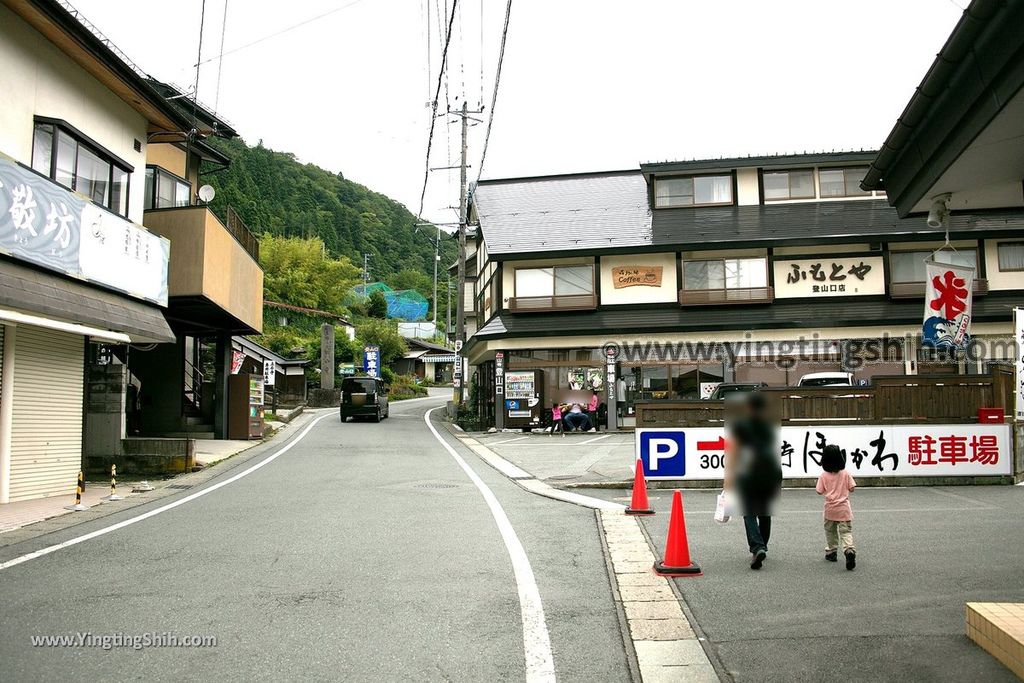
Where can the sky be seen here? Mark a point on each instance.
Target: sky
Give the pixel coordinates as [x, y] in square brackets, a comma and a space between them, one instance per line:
[586, 85]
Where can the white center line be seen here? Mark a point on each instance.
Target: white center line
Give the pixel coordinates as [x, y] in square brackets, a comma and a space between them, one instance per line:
[540, 664]
[163, 508]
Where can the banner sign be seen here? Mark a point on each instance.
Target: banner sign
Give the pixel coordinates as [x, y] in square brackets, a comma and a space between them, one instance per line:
[269, 372]
[829, 276]
[1018, 375]
[371, 360]
[871, 450]
[637, 276]
[44, 224]
[947, 305]
[237, 358]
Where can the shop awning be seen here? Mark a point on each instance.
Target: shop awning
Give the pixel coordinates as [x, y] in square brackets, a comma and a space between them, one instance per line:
[52, 296]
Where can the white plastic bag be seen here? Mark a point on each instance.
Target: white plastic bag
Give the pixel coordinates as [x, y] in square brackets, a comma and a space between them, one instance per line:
[725, 507]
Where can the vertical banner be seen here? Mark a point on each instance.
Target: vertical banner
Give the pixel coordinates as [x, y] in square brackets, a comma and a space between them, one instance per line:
[237, 357]
[371, 360]
[269, 372]
[947, 305]
[1018, 364]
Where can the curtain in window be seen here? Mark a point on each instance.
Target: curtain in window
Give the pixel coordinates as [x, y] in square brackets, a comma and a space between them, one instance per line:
[534, 282]
[1011, 256]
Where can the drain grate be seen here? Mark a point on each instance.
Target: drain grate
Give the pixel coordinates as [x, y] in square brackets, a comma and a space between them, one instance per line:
[179, 487]
[436, 486]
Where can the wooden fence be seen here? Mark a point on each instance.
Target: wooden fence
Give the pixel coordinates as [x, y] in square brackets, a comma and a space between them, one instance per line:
[891, 399]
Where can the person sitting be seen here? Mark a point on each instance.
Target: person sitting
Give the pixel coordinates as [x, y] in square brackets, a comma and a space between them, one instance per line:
[556, 419]
[576, 418]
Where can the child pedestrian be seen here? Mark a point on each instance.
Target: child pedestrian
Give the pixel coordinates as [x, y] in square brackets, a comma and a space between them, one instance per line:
[556, 419]
[836, 484]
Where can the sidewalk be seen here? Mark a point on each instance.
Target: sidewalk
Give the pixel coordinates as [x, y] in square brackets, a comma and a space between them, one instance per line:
[576, 458]
[22, 513]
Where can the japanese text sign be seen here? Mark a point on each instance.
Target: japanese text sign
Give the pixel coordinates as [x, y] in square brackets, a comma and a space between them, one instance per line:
[829, 276]
[371, 360]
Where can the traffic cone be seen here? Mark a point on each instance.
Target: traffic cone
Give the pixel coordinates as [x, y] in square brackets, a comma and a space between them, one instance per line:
[639, 504]
[78, 506]
[677, 560]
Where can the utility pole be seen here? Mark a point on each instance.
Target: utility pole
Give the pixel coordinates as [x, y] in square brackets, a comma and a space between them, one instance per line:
[448, 323]
[437, 257]
[366, 270]
[460, 312]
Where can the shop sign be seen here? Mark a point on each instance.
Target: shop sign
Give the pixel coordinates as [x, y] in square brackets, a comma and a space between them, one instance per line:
[49, 226]
[967, 450]
[637, 276]
[947, 305]
[845, 276]
[269, 372]
[237, 358]
[371, 360]
[1018, 327]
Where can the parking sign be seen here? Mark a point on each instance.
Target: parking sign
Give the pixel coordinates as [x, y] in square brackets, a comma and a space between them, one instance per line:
[663, 452]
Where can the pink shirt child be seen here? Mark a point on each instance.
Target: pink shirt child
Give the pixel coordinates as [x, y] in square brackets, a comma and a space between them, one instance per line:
[836, 487]
[593, 403]
[556, 413]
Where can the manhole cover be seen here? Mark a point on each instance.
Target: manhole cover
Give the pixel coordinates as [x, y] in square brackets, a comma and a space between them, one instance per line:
[179, 487]
[436, 486]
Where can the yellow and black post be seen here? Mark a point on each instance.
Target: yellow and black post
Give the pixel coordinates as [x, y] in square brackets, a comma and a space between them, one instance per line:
[113, 485]
[78, 506]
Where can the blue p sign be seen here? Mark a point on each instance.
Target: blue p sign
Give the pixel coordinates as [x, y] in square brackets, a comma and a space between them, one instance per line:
[663, 452]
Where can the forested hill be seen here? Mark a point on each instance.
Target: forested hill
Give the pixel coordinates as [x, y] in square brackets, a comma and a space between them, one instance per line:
[273, 192]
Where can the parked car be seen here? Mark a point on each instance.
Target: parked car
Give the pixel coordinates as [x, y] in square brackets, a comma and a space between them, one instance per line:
[826, 379]
[732, 388]
[364, 397]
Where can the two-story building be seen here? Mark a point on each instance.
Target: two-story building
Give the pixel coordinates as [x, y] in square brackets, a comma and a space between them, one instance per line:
[99, 281]
[662, 281]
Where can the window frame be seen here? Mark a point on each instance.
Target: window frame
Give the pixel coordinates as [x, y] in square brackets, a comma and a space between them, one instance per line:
[999, 263]
[791, 197]
[554, 278]
[730, 176]
[152, 196]
[846, 194]
[892, 270]
[725, 282]
[59, 127]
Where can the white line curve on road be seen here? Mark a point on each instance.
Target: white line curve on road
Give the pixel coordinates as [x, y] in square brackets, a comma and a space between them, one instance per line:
[540, 664]
[163, 508]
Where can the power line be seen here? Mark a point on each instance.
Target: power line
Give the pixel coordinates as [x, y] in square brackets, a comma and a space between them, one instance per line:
[433, 112]
[220, 63]
[494, 96]
[284, 30]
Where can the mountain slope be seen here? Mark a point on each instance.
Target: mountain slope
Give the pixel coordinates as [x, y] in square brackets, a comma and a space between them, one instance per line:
[273, 192]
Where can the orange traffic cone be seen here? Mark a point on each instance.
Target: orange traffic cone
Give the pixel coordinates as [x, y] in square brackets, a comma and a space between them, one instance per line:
[677, 551]
[639, 504]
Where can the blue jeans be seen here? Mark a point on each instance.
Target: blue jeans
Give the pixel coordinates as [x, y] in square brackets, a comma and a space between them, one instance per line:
[576, 420]
[759, 529]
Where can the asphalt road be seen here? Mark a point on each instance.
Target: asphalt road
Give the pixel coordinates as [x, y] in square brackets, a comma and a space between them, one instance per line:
[363, 553]
[899, 616]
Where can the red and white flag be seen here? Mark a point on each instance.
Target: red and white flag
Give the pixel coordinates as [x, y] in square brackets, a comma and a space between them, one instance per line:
[947, 305]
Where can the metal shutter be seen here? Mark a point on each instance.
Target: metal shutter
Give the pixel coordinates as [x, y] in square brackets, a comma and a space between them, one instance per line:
[46, 430]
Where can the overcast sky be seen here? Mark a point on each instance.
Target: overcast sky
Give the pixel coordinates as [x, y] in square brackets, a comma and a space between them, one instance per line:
[587, 85]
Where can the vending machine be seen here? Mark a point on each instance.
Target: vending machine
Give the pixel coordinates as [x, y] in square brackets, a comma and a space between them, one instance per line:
[524, 399]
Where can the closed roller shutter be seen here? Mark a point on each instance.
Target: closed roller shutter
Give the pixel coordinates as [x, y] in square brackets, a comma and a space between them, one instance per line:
[46, 430]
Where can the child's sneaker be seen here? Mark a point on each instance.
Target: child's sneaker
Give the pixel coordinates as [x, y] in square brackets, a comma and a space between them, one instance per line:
[851, 559]
[832, 556]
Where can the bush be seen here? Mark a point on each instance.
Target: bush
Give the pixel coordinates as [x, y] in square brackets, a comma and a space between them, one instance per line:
[405, 387]
[388, 375]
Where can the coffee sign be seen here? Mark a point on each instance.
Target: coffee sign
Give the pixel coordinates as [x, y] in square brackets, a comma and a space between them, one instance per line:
[637, 276]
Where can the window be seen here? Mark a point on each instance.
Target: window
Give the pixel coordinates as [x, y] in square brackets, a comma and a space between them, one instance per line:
[165, 190]
[554, 281]
[68, 159]
[908, 266]
[1011, 256]
[842, 182]
[737, 273]
[692, 191]
[788, 185]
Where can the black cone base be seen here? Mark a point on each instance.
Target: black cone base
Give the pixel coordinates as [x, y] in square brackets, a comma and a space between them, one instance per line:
[662, 570]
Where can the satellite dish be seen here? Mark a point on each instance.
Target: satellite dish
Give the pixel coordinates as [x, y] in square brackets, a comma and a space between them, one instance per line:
[206, 194]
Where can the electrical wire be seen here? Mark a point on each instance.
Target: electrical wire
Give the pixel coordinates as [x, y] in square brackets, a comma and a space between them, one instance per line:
[494, 95]
[433, 113]
[220, 62]
[282, 31]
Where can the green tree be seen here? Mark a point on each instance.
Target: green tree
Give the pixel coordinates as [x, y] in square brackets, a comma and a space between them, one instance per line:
[382, 333]
[298, 271]
[377, 305]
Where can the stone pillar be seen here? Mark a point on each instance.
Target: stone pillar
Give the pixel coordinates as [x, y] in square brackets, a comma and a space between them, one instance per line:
[327, 356]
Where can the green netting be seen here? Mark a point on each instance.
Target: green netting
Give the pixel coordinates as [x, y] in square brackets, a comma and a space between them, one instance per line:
[367, 290]
[406, 304]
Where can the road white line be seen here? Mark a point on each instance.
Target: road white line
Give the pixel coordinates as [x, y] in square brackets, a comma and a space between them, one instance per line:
[163, 508]
[498, 443]
[596, 438]
[540, 664]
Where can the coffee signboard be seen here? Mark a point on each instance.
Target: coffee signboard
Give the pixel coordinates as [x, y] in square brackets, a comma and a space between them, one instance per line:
[637, 276]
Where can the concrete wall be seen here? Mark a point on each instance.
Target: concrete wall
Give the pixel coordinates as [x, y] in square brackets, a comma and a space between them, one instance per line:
[168, 157]
[37, 79]
[105, 409]
[207, 261]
